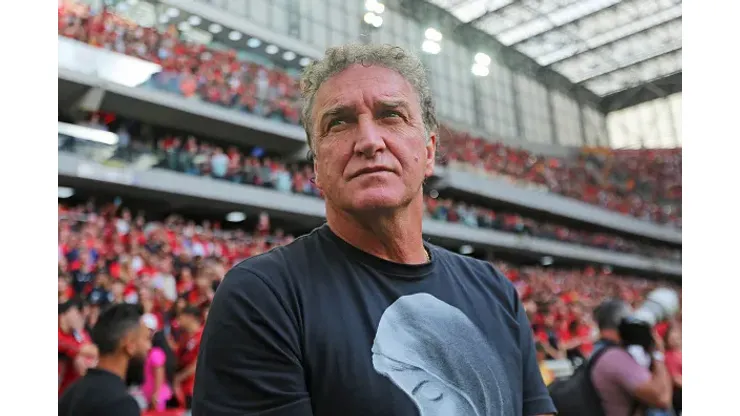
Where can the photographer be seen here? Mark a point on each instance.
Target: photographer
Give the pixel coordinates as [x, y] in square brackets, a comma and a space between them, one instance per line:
[624, 384]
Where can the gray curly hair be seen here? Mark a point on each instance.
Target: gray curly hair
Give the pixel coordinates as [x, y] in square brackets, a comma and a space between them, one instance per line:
[339, 58]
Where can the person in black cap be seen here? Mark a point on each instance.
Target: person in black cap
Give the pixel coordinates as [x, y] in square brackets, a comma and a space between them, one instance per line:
[123, 340]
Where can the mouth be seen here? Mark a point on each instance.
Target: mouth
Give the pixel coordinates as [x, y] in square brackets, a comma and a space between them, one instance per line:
[369, 170]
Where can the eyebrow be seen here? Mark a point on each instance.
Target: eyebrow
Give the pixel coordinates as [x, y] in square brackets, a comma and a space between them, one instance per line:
[394, 104]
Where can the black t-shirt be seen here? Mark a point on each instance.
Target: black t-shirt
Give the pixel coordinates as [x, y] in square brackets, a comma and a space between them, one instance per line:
[98, 393]
[318, 327]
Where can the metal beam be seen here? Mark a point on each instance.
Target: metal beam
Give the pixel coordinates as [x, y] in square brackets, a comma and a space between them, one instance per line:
[488, 13]
[559, 26]
[612, 42]
[627, 66]
[665, 86]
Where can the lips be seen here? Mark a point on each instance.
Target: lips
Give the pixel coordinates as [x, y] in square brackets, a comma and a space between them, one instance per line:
[372, 169]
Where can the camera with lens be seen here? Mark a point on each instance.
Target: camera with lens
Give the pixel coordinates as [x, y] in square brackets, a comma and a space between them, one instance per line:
[636, 329]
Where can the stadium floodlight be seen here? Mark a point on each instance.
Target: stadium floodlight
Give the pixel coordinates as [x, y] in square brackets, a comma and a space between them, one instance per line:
[164, 19]
[480, 70]
[272, 49]
[466, 249]
[374, 6]
[215, 28]
[482, 59]
[236, 216]
[235, 35]
[433, 34]
[64, 192]
[254, 43]
[183, 26]
[289, 55]
[173, 12]
[431, 47]
[304, 61]
[373, 19]
[194, 20]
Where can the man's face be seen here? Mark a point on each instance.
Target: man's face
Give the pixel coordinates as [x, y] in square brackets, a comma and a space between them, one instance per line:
[371, 147]
[138, 343]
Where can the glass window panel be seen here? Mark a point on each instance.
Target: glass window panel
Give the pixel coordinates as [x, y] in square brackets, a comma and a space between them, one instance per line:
[279, 18]
[258, 11]
[319, 35]
[238, 7]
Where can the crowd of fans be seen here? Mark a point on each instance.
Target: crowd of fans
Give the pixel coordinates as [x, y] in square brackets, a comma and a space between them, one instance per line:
[644, 184]
[192, 156]
[171, 268]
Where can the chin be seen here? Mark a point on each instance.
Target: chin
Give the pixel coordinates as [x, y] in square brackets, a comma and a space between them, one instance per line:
[378, 199]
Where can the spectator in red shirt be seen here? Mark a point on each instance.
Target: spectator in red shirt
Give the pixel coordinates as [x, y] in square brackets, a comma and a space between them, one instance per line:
[190, 323]
[76, 352]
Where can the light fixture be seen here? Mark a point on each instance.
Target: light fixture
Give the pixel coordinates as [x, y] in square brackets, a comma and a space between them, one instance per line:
[374, 6]
[480, 70]
[466, 249]
[194, 20]
[547, 261]
[433, 35]
[431, 47]
[378, 21]
[173, 12]
[236, 216]
[254, 43]
[183, 26]
[215, 28]
[482, 59]
[289, 55]
[369, 17]
[133, 2]
[235, 35]
[434, 194]
[64, 192]
[272, 49]
[164, 19]
[304, 61]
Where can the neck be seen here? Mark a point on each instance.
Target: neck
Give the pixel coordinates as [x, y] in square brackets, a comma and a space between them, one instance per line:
[610, 335]
[393, 236]
[115, 364]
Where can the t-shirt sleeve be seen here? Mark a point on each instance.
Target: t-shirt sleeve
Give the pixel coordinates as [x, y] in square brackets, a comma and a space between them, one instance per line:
[619, 366]
[249, 361]
[536, 398]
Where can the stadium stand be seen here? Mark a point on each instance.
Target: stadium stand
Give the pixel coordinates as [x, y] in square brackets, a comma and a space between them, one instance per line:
[143, 212]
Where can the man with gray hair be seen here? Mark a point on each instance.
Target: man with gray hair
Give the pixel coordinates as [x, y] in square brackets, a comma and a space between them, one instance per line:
[297, 331]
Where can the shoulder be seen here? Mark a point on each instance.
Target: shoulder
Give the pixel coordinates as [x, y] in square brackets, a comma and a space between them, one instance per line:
[124, 405]
[478, 272]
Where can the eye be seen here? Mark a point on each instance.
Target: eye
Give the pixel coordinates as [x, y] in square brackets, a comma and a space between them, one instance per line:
[335, 123]
[390, 114]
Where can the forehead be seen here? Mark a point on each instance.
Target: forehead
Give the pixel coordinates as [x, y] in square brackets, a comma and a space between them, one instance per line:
[364, 85]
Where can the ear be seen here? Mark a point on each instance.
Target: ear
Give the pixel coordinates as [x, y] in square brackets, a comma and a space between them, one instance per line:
[431, 154]
[316, 173]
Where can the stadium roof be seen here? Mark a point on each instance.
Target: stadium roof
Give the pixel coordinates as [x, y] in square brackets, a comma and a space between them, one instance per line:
[621, 50]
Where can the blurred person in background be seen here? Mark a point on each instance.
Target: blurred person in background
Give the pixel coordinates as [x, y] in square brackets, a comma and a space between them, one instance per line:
[76, 352]
[190, 324]
[674, 363]
[123, 340]
[624, 385]
[159, 372]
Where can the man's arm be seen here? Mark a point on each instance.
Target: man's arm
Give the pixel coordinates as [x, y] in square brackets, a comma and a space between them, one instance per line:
[536, 398]
[650, 388]
[658, 391]
[250, 356]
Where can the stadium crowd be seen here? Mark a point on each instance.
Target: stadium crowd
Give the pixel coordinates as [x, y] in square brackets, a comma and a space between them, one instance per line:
[644, 184]
[108, 254]
[189, 155]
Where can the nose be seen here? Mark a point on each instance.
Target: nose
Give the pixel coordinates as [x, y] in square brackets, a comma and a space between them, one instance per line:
[370, 138]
